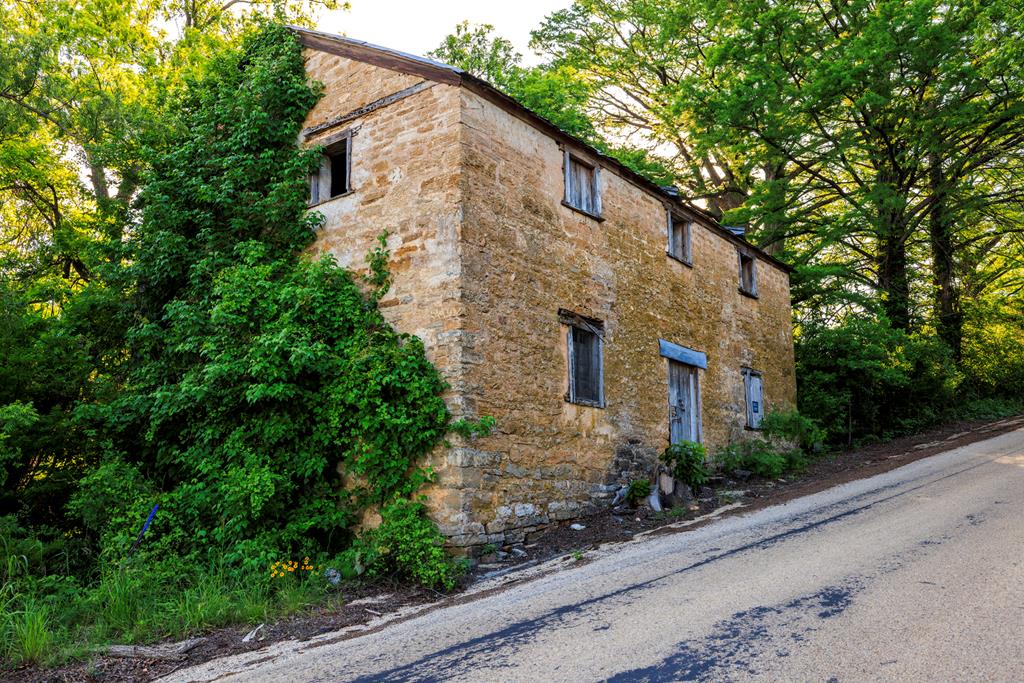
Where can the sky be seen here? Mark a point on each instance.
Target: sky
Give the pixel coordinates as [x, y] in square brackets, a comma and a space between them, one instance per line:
[417, 26]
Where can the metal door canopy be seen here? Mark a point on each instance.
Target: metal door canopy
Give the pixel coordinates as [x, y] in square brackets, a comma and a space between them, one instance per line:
[683, 354]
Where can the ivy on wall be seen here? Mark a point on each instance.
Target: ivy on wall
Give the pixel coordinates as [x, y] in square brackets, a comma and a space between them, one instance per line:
[266, 403]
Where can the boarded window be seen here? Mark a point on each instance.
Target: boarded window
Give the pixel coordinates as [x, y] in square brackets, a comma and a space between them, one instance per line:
[581, 186]
[679, 238]
[586, 359]
[332, 178]
[748, 274]
[753, 391]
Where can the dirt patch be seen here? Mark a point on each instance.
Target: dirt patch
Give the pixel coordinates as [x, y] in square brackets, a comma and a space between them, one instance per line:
[368, 602]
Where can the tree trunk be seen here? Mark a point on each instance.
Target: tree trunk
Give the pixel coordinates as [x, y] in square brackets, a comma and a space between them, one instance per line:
[949, 318]
[98, 176]
[893, 280]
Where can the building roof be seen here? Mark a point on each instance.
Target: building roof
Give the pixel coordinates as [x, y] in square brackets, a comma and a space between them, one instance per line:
[444, 73]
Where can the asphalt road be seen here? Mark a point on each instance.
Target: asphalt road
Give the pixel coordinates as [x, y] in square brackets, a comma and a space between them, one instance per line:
[912, 575]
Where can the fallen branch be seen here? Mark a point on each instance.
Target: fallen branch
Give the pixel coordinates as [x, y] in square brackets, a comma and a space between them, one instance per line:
[166, 651]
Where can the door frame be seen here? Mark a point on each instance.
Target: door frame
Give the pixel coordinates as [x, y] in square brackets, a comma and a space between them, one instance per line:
[693, 372]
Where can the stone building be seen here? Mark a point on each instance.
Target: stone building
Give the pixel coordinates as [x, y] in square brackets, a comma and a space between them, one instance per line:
[589, 311]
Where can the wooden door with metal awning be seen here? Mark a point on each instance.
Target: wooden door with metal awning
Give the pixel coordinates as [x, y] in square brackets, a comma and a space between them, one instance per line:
[684, 414]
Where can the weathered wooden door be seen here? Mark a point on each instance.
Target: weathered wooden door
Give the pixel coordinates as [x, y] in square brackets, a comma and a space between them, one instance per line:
[683, 402]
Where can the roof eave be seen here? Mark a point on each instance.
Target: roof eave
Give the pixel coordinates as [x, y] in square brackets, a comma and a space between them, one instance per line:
[444, 73]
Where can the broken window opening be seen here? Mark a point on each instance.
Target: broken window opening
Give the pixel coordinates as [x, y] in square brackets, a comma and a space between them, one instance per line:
[680, 238]
[748, 274]
[586, 362]
[333, 177]
[582, 186]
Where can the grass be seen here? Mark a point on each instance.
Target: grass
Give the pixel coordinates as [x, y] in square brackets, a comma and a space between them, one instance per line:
[50, 620]
[47, 620]
[32, 637]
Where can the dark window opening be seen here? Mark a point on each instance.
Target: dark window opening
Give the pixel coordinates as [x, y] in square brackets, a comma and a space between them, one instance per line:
[586, 360]
[339, 171]
[333, 177]
[748, 275]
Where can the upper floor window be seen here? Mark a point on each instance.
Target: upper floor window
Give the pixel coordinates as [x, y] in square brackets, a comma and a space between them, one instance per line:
[585, 346]
[748, 274]
[582, 186]
[680, 232]
[333, 177]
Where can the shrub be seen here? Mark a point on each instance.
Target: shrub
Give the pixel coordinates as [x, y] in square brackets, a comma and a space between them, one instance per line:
[991, 408]
[408, 545]
[993, 351]
[638, 490]
[685, 460]
[792, 428]
[863, 378]
[756, 456]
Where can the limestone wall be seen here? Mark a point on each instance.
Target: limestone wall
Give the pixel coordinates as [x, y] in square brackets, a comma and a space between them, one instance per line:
[525, 255]
[405, 160]
[483, 256]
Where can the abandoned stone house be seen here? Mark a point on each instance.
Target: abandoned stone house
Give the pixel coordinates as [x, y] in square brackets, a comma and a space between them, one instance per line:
[589, 311]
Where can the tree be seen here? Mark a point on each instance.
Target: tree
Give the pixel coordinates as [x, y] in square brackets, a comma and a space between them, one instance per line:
[554, 93]
[82, 86]
[637, 55]
[558, 92]
[876, 113]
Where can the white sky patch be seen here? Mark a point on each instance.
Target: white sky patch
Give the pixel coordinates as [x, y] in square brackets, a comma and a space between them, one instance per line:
[418, 26]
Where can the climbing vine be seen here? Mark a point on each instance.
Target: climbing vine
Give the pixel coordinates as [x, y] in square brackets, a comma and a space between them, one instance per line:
[267, 403]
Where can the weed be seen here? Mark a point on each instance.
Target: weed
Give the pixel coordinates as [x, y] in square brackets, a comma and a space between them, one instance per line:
[31, 637]
[206, 604]
[638, 490]
[685, 459]
[120, 598]
[472, 428]
[793, 429]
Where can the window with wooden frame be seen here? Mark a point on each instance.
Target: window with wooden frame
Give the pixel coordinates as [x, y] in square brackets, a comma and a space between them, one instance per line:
[753, 392]
[680, 231]
[748, 274]
[582, 185]
[585, 346]
[333, 177]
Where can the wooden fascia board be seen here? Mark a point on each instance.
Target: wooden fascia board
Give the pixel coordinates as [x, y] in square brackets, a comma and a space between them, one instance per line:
[370, 55]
